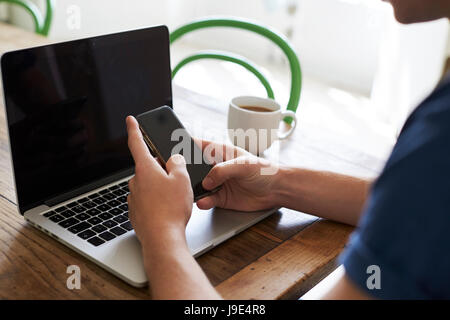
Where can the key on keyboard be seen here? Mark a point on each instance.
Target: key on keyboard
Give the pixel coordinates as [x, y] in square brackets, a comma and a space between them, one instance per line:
[86, 234]
[110, 223]
[60, 209]
[105, 216]
[89, 205]
[96, 241]
[115, 211]
[114, 203]
[72, 204]
[78, 209]
[107, 236]
[79, 227]
[109, 196]
[103, 207]
[120, 219]
[82, 216]
[99, 228]
[93, 212]
[127, 226]
[83, 200]
[99, 200]
[56, 218]
[95, 220]
[118, 231]
[49, 214]
[67, 213]
[68, 222]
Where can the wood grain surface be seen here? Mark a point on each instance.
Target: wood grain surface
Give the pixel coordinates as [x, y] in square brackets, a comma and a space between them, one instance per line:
[279, 258]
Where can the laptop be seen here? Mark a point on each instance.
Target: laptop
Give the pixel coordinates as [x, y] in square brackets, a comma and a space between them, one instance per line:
[66, 106]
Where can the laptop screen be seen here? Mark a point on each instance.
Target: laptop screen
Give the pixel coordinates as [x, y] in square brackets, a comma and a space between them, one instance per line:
[66, 106]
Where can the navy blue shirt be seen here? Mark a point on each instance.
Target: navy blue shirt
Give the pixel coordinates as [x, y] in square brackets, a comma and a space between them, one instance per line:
[405, 229]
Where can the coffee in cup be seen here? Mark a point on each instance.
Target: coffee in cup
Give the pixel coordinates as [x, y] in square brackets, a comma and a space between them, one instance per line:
[253, 123]
[255, 108]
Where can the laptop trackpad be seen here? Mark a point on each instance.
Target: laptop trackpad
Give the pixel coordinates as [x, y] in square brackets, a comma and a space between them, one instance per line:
[208, 228]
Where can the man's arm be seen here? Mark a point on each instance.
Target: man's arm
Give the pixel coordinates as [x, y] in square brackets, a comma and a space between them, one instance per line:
[328, 195]
[173, 273]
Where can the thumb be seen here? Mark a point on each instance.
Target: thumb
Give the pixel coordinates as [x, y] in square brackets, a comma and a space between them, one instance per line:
[219, 174]
[177, 165]
[215, 200]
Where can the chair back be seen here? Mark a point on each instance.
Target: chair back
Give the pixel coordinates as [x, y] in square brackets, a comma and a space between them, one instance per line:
[41, 24]
[276, 37]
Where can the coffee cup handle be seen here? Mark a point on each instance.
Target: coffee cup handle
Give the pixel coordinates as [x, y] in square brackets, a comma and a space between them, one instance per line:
[284, 114]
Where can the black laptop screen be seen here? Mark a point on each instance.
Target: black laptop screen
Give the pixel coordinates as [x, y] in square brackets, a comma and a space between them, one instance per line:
[66, 106]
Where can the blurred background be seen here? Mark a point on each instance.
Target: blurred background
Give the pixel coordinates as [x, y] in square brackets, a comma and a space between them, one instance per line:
[354, 56]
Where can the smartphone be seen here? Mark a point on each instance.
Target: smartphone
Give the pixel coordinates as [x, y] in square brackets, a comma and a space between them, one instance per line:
[165, 136]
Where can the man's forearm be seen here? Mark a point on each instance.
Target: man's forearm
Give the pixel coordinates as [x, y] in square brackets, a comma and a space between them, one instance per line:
[173, 272]
[328, 195]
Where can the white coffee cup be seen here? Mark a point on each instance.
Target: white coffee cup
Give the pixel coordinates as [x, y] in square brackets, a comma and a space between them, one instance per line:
[253, 123]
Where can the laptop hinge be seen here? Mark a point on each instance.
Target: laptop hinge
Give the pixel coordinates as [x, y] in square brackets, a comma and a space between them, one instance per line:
[89, 187]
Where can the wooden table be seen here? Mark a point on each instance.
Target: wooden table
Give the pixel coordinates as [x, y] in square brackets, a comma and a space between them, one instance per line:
[281, 257]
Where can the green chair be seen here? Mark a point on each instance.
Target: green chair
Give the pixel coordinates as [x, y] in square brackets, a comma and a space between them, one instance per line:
[274, 36]
[41, 24]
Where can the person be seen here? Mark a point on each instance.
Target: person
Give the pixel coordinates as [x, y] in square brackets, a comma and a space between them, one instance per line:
[403, 217]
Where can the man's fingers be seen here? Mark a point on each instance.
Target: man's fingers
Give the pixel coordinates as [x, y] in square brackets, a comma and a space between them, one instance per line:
[202, 143]
[131, 184]
[177, 166]
[130, 202]
[224, 171]
[137, 146]
[217, 152]
[209, 152]
[206, 203]
[214, 200]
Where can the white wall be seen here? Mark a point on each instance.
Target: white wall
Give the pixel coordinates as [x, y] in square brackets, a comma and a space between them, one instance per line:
[410, 66]
[3, 11]
[337, 40]
[99, 16]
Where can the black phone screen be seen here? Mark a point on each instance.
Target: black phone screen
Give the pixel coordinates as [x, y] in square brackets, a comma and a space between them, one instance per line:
[167, 135]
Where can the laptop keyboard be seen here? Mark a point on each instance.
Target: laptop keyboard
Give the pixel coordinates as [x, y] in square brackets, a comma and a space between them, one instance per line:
[97, 218]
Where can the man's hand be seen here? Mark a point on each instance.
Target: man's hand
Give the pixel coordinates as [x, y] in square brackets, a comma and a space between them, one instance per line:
[245, 187]
[250, 184]
[160, 202]
[160, 205]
